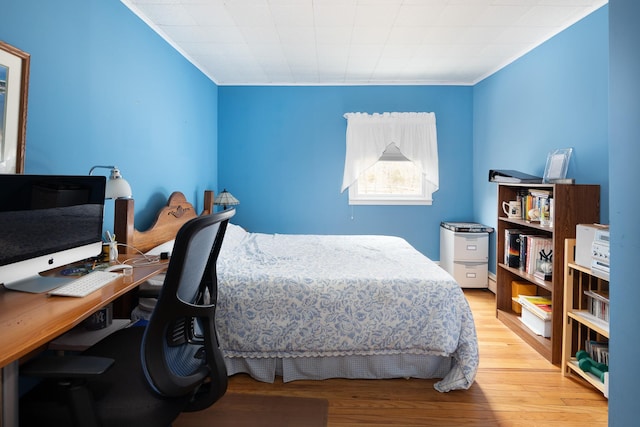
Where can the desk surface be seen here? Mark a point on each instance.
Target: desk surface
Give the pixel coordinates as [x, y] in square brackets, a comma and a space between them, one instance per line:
[29, 321]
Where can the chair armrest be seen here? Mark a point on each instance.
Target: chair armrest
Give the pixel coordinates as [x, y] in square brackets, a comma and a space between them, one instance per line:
[72, 366]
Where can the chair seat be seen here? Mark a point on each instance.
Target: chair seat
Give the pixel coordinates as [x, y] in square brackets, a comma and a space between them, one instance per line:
[120, 396]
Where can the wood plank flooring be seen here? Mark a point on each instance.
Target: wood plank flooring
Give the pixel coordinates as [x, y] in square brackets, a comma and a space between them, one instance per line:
[514, 387]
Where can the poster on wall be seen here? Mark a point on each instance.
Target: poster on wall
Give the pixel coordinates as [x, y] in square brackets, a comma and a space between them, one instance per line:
[14, 82]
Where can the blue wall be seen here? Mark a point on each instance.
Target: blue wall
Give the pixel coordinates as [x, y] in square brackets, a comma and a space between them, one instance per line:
[556, 96]
[105, 89]
[282, 155]
[624, 152]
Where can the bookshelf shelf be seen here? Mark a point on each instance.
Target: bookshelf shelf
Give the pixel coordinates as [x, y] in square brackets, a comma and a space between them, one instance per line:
[537, 342]
[603, 387]
[573, 204]
[528, 277]
[580, 325]
[589, 320]
[516, 223]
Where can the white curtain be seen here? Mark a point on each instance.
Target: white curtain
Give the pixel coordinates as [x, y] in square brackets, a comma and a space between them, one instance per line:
[368, 135]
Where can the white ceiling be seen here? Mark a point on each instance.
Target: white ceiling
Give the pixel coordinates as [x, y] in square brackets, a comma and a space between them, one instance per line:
[354, 42]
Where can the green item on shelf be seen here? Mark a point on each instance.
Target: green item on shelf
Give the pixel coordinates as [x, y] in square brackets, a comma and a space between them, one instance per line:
[587, 364]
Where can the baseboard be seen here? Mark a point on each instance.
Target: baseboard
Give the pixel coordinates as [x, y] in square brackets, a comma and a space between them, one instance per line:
[492, 282]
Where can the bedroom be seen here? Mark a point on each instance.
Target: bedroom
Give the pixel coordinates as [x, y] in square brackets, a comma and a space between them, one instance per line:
[90, 81]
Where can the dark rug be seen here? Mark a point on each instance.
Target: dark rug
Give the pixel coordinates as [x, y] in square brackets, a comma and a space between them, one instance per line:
[247, 410]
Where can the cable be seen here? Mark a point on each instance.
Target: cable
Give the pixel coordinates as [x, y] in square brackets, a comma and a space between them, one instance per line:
[147, 259]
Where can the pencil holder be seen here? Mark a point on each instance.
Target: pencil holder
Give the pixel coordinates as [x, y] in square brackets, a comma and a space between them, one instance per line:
[110, 252]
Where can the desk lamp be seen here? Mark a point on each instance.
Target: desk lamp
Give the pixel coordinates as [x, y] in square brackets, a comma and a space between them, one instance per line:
[225, 199]
[117, 187]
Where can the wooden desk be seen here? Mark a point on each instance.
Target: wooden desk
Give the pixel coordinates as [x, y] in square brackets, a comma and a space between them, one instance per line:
[29, 321]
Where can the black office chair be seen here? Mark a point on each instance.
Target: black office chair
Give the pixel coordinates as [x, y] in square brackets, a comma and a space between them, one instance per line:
[145, 376]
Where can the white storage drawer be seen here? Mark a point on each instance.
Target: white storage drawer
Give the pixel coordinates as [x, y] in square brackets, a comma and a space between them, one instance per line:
[471, 274]
[464, 253]
[536, 324]
[471, 247]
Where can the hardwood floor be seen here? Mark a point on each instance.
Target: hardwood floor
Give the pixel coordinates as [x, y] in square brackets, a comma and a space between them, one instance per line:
[514, 387]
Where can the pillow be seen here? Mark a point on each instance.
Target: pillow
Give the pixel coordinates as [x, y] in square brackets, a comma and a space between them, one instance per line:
[233, 236]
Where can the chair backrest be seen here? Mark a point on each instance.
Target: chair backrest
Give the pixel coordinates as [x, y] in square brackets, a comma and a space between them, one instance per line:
[180, 353]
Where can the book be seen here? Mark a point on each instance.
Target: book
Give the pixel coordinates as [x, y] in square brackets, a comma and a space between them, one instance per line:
[598, 350]
[528, 208]
[538, 248]
[512, 176]
[512, 247]
[540, 305]
[466, 227]
[598, 304]
[543, 276]
[524, 237]
[526, 248]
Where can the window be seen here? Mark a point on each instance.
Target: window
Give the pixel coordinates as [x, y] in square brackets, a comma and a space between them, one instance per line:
[392, 180]
[391, 159]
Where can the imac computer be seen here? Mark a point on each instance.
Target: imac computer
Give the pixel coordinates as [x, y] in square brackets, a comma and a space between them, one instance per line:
[47, 221]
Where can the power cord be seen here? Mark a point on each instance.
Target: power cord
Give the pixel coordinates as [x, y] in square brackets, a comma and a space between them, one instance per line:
[146, 259]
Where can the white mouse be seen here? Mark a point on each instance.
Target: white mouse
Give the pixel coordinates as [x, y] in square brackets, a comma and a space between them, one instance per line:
[118, 267]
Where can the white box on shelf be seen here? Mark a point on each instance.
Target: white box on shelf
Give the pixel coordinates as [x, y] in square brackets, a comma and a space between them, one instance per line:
[585, 234]
[536, 324]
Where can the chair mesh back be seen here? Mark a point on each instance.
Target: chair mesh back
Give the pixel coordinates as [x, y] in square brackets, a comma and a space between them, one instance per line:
[180, 350]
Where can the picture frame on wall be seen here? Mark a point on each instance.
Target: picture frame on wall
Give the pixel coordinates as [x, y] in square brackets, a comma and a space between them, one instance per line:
[14, 89]
[557, 165]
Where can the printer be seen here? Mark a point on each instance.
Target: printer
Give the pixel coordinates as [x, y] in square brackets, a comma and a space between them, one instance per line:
[592, 248]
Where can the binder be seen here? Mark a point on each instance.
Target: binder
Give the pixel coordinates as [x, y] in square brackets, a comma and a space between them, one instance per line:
[512, 176]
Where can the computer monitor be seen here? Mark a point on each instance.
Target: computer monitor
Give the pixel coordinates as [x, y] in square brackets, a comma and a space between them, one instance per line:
[47, 221]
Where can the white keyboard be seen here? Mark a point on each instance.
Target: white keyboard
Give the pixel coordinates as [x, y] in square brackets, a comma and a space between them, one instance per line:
[86, 284]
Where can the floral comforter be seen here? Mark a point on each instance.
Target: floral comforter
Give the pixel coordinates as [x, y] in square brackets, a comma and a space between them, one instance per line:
[288, 296]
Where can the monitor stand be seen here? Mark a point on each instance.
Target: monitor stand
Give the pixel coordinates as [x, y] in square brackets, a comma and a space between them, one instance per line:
[37, 284]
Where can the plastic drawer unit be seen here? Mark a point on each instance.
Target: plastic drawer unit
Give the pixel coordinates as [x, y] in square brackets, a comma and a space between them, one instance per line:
[464, 252]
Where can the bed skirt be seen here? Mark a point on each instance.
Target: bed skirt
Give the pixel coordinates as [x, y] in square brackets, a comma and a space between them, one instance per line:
[351, 367]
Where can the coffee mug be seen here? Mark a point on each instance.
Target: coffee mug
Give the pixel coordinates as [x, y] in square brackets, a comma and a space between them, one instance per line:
[512, 209]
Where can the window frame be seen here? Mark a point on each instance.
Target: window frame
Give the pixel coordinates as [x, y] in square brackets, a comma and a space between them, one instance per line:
[369, 136]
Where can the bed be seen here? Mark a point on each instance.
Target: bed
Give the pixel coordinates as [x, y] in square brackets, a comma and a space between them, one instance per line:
[321, 306]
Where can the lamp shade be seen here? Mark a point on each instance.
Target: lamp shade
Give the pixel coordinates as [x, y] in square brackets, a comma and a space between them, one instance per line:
[117, 187]
[225, 199]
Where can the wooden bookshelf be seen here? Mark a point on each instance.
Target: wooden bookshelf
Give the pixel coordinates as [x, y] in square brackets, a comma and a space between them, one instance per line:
[573, 204]
[579, 324]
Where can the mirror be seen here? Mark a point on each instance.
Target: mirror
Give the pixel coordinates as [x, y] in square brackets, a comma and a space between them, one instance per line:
[14, 88]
